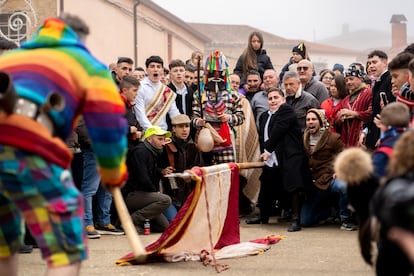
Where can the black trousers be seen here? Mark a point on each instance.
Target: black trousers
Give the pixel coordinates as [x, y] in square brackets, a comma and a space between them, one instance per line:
[271, 188]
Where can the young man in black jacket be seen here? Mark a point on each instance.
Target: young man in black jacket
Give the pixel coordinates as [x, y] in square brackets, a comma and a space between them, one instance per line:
[141, 191]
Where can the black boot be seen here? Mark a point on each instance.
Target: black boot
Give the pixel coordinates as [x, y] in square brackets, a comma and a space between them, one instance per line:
[138, 221]
[294, 226]
[257, 220]
[295, 222]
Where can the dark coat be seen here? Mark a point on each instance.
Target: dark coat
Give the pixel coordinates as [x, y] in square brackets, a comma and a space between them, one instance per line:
[322, 157]
[132, 121]
[189, 97]
[181, 155]
[144, 174]
[263, 63]
[188, 100]
[285, 138]
[383, 85]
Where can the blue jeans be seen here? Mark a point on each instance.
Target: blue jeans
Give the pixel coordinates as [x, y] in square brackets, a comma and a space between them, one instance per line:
[91, 187]
[170, 213]
[313, 210]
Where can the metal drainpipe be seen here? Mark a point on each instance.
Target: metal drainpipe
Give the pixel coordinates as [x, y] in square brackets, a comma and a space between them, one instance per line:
[137, 2]
[61, 7]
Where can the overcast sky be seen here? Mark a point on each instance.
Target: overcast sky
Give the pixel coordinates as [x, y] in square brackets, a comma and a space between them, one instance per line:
[298, 19]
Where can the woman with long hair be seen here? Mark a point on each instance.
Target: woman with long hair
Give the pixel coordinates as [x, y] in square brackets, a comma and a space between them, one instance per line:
[254, 57]
[332, 105]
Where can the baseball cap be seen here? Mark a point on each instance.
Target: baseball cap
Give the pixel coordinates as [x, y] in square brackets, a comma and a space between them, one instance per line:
[156, 130]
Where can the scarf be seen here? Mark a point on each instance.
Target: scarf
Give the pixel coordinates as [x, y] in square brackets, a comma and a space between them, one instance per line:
[180, 142]
[155, 151]
[362, 86]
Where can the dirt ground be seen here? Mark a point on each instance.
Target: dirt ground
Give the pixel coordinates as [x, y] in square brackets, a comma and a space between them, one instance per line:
[322, 250]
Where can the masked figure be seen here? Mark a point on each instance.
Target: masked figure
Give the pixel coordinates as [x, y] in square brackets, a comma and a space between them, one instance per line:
[216, 108]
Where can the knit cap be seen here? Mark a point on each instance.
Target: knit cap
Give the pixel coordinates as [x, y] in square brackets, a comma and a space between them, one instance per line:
[320, 114]
[354, 71]
[338, 67]
[300, 49]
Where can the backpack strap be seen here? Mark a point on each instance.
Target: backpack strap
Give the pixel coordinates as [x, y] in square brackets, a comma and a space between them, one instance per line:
[170, 147]
[385, 149]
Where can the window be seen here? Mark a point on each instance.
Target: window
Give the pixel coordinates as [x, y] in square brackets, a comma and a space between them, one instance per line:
[14, 25]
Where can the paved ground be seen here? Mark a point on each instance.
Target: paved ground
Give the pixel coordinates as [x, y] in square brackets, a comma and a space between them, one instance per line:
[323, 250]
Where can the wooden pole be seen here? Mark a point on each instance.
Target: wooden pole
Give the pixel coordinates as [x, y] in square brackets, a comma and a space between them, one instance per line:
[250, 165]
[242, 166]
[128, 226]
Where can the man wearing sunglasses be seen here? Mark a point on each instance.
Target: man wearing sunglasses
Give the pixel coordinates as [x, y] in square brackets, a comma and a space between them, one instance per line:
[309, 84]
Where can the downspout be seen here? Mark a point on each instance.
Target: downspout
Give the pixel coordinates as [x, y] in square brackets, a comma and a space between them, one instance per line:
[137, 2]
[61, 7]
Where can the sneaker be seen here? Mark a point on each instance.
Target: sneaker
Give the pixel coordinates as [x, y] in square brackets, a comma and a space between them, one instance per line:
[140, 230]
[25, 249]
[91, 233]
[348, 225]
[330, 221]
[294, 226]
[108, 229]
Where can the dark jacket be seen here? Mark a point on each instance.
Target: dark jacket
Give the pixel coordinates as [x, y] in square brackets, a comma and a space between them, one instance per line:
[382, 85]
[181, 155]
[301, 103]
[188, 99]
[132, 121]
[317, 89]
[322, 157]
[144, 173]
[83, 137]
[285, 138]
[263, 63]
[382, 154]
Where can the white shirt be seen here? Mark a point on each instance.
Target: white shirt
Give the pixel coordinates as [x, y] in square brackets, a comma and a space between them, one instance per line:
[183, 92]
[273, 159]
[146, 93]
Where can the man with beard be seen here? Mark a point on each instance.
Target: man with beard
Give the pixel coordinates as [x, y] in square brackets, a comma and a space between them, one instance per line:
[257, 98]
[322, 146]
[355, 108]
[141, 192]
[155, 100]
[300, 100]
[123, 68]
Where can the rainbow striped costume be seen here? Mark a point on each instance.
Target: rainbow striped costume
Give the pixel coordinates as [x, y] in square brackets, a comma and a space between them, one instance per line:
[55, 60]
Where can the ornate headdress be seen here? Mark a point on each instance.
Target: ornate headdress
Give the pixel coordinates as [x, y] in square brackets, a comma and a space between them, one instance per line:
[354, 71]
[216, 74]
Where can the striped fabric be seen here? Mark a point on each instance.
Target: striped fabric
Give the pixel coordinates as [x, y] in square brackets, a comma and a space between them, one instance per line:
[55, 60]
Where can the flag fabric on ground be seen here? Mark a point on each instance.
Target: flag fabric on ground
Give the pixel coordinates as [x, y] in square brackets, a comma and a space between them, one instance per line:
[207, 223]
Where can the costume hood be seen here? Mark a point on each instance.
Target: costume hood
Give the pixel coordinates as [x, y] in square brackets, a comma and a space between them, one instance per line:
[53, 33]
